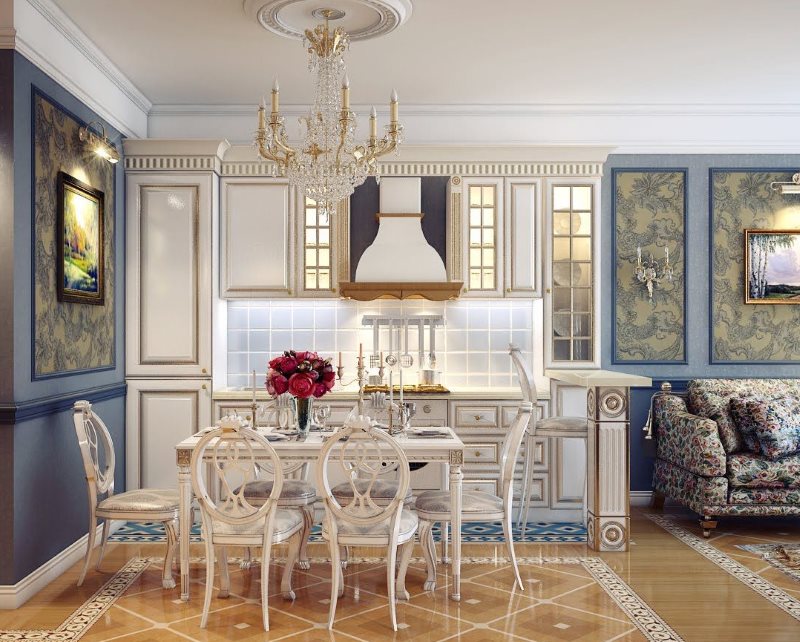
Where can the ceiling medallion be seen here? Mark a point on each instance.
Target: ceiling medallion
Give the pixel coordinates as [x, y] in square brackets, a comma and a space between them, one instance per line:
[328, 164]
[361, 19]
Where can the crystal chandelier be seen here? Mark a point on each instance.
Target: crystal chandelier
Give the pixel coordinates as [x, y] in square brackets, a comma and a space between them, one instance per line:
[329, 164]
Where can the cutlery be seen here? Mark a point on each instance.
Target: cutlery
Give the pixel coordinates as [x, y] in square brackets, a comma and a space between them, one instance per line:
[406, 360]
[391, 359]
[433, 345]
[375, 357]
[421, 338]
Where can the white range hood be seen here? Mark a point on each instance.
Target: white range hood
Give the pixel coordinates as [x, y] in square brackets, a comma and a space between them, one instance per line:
[400, 263]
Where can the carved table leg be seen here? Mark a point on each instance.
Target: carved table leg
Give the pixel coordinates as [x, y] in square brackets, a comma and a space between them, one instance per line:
[184, 517]
[456, 477]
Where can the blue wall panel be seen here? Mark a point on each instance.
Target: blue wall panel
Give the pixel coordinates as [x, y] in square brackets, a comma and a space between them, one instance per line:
[697, 288]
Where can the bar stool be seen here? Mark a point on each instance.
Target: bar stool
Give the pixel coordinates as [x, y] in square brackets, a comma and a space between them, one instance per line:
[557, 427]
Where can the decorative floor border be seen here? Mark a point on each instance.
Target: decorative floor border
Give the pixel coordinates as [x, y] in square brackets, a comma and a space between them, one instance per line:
[752, 580]
[81, 620]
[471, 533]
[771, 553]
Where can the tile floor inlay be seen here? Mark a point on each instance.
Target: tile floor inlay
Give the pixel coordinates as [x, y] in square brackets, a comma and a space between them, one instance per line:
[74, 627]
[553, 609]
[746, 576]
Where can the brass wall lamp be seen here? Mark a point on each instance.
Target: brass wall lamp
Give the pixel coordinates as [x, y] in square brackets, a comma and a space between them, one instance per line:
[792, 187]
[99, 144]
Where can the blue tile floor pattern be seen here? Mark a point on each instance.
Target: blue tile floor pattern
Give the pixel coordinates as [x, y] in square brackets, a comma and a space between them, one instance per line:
[485, 532]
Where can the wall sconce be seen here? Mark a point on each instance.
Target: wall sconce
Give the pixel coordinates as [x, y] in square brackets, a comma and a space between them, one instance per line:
[100, 145]
[792, 187]
[650, 272]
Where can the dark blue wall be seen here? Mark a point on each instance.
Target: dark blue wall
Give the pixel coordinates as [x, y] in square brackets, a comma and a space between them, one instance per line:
[48, 487]
[698, 282]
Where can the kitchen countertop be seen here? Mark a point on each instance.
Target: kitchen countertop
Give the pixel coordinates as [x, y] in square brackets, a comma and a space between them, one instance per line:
[586, 378]
[500, 394]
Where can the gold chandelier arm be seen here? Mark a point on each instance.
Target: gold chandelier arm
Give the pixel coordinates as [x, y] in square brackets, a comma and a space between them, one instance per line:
[274, 125]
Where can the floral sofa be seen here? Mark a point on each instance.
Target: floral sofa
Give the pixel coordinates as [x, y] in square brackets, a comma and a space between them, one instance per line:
[729, 447]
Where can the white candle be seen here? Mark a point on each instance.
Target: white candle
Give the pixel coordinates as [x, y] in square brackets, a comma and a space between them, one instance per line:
[639, 255]
[254, 386]
[393, 111]
[275, 94]
[360, 355]
[666, 253]
[391, 394]
[373, 123]
[340, 359]
[401, 387]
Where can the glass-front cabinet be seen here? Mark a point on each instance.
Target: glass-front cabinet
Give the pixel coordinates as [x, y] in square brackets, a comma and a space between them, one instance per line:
[571, 290]
[483, 235]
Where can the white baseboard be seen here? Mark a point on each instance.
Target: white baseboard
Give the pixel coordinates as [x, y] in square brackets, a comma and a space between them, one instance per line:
[641, 497]
[12, 596]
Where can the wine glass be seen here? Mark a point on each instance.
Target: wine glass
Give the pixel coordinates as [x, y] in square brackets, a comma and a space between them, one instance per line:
[321, 415]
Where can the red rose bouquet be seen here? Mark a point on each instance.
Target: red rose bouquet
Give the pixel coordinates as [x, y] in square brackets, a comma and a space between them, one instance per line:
[301, 374]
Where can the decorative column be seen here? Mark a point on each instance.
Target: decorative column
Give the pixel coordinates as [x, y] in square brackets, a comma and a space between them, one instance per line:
[608, 468]
[607, 452]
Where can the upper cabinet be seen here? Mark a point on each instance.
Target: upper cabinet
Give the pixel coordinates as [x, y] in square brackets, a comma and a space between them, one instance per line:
[495, 236]
[321, 249]
[168, 272]
[257, 238]
[572, 273]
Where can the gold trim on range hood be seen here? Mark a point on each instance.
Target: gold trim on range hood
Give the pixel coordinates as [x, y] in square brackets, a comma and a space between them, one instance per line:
[431, 290]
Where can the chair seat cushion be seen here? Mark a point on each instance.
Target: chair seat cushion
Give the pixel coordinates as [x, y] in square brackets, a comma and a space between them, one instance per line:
[746, 470]
[408, 526]
[292, 489]
[577, 425]
[475, 501]
[286, 521]
[142, 500]
[382, 489]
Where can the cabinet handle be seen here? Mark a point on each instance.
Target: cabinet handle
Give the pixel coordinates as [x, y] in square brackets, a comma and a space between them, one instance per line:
[508, 289]
[547, 290]
[478, 417]
[203, 386]
[426, 408]
[477, 453]
[204, 371]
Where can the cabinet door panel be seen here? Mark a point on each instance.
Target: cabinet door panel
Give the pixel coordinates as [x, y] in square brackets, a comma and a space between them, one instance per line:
[168, 272]
[161, 413]
[256, 239]
[523, 255]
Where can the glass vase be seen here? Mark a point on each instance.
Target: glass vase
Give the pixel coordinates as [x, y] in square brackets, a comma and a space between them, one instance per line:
[302, 413]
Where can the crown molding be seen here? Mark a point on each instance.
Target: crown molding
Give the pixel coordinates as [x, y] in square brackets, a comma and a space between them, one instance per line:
[47, 37]
[156, 154]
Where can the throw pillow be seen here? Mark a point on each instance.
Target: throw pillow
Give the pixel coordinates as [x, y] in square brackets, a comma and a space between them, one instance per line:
[770, 426]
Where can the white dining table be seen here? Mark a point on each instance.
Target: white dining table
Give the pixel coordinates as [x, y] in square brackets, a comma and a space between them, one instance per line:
[447, 450]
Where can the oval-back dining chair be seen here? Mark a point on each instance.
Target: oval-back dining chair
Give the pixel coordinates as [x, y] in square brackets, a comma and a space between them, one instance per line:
[362, 452]
[232, 520]
[140, 505]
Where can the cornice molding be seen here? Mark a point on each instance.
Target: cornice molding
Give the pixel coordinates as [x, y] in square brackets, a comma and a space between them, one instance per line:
[8, 38]
[67, 28]
[174, 155]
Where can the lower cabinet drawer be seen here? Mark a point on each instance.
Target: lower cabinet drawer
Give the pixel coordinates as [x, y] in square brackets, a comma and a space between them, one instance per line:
[482, 485]
[476, 417]
[481, 453]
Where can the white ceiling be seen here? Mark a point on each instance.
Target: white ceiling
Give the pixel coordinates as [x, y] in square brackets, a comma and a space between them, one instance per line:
[467, 52]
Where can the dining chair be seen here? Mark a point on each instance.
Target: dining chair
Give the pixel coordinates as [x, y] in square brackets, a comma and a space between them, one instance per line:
[140, 505]
[476, 506]
[361, 451]
[555, 427]
[229, 458]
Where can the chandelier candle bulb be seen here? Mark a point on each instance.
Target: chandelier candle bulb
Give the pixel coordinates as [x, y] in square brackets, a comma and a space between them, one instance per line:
[393, 110]
[373, 125]
[345, 93]
[275, 99]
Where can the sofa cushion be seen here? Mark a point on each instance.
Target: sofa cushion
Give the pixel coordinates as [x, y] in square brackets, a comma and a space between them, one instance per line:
[768, 426]
[748, 470]
[710, 398]
[764, 496]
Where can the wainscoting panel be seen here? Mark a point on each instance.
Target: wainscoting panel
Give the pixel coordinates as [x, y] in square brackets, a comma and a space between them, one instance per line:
[649, 211]
[739, 333]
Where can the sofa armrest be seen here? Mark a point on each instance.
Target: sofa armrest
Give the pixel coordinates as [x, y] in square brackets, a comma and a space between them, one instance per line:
[687, 440]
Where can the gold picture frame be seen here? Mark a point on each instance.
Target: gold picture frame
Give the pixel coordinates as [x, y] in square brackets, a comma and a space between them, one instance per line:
[772, 255]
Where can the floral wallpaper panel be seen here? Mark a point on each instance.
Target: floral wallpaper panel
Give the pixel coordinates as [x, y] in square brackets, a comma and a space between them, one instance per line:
[742, 332]
[67, 336]
[649, 211]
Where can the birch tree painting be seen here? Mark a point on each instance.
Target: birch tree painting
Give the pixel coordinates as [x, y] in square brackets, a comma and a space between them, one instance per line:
[773, 267]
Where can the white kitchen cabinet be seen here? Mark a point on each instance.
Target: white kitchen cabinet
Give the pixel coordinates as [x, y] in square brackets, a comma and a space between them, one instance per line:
[482, 232]
[160, 413]
[168, 272]
[522, 274]
[256, 238]
[572, 267]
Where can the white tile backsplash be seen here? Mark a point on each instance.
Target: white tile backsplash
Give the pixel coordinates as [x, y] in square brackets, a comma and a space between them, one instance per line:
[471, 348]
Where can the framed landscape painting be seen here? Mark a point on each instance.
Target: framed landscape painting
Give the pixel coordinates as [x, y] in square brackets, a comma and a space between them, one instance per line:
[772, 266]
[79, 237]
